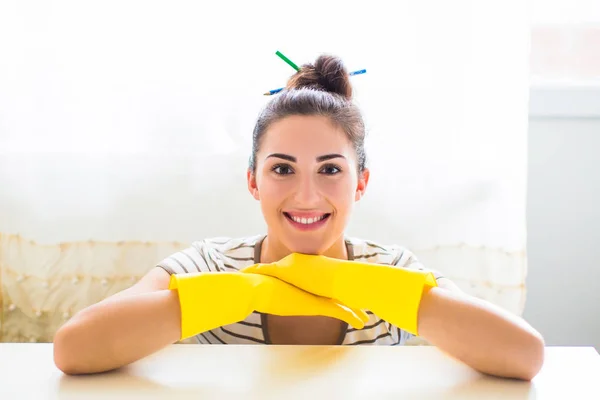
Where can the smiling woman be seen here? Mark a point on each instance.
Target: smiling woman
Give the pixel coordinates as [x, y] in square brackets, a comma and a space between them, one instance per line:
[307, 169]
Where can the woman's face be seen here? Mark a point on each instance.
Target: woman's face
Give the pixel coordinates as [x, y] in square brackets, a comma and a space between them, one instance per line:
[307, 181]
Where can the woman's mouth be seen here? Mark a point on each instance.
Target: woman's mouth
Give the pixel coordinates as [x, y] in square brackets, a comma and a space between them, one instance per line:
[307, 222]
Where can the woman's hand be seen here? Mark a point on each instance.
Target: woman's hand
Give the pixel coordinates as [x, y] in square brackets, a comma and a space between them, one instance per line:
[314, 274]
[209, 300]
[392, 293]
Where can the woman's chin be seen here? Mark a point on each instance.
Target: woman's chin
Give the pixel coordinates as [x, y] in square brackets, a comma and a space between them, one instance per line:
[306, 250]
[307, 247]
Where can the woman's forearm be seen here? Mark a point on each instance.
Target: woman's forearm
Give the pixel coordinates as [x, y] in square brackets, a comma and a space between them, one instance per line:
[118, 331]
[482, 335]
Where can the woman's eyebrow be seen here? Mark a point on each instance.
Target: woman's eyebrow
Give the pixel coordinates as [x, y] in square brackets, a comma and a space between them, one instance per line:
[322, 158]
[329, 157]
[283, 156]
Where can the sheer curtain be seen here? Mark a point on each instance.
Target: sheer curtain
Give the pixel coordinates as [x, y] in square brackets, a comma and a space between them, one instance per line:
[125, 130]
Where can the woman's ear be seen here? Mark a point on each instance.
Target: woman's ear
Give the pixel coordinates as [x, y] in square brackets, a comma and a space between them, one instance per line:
[361, 187]
[252, 186]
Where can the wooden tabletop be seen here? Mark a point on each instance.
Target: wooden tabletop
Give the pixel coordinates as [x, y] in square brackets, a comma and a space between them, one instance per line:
[183, 371]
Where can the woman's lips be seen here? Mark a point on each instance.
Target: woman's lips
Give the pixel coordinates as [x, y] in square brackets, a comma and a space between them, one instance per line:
[307, 221]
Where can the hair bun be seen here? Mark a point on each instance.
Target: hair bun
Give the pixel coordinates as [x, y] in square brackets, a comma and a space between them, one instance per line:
[328, 74]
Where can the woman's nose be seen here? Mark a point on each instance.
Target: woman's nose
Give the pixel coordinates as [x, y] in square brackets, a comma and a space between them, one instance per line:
[307, 193]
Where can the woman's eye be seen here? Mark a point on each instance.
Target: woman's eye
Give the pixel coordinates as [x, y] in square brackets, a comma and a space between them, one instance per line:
[282, 169]
[330, 169]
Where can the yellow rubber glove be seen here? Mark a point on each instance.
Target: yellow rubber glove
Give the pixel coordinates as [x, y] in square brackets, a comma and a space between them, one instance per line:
[209, 300]
[392, 293]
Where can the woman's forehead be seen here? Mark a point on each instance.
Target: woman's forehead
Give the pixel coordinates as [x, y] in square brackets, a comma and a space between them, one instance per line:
[307, 135]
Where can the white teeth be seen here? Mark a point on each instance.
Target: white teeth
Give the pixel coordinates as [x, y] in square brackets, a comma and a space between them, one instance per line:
[307, 221]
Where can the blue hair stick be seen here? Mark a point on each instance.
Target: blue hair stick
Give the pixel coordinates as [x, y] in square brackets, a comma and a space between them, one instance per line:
[275, 91]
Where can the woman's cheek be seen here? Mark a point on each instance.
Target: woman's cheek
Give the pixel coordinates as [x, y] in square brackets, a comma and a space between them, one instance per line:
[273, 190]
[338, 192]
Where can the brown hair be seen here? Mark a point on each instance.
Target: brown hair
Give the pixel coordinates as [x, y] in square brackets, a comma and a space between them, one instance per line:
[321, 89]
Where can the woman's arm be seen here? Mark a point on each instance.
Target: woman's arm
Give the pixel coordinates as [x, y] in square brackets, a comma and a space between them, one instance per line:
[480, 334]
[120, 329]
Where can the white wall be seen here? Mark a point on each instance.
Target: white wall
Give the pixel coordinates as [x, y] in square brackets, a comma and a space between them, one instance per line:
[563, 223]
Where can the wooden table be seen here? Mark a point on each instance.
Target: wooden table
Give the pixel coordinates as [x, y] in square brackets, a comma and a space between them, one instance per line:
[183, 371]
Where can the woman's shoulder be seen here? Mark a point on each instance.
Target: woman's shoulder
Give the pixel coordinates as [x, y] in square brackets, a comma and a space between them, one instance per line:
[231, 245]
[377, 252]
[387, 254]
[213, 254]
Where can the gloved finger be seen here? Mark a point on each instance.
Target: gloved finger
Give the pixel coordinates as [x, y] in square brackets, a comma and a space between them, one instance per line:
[361, 314]
[355, 318]
[357, 311]
[305, 277]
[332, 308]
[280, 298]
[257, 269]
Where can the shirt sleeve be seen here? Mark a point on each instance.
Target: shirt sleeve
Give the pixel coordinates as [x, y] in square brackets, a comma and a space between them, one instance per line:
[406, 259]
[191, 260]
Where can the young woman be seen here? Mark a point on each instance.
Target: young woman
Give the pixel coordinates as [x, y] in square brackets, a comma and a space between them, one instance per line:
[307, 169]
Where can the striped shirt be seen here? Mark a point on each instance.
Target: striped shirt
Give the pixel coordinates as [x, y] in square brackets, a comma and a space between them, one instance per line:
[233, 254]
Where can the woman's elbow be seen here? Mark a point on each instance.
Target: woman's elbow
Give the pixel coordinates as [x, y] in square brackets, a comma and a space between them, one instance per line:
[68, 349]
[64, 354]
[531, 357]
